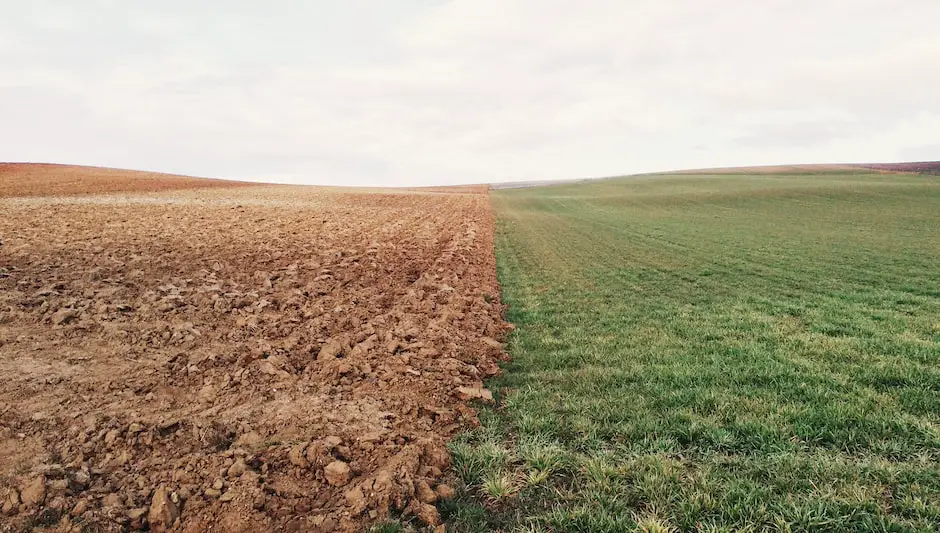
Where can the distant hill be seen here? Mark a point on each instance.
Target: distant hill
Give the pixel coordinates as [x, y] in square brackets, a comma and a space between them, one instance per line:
[537, 183]
[767, 169]
[927, 167]
[922, 168]
[39, 179]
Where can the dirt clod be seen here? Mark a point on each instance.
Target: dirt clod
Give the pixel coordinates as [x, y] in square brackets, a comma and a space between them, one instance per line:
[425, 512]
[474, 393]
[80, 507]
[445, 491]
[11, 502]
[237, 469]
[112, 501]
[64, 316]
[34, 492]
[424, 493]
[329, 351]
[337, 473]
[297, 457]
[162, 512]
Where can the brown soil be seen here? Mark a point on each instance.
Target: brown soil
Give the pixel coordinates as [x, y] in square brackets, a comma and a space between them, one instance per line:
[239, 359]
[927, 167]
[39, 179]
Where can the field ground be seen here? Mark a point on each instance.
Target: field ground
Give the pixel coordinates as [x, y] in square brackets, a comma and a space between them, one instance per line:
[228, 358]
[924, 167]
[36, 179]
[717, 353]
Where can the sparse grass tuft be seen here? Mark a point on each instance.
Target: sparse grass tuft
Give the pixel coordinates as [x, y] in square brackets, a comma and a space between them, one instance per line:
[543, 455]
[651, 524]
[497, 486]
[388, 527]
[535, 477]
[474, 457]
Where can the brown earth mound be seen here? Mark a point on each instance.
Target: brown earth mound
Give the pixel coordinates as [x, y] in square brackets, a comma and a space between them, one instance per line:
[241, 359]
[36, 179]
[927, 167]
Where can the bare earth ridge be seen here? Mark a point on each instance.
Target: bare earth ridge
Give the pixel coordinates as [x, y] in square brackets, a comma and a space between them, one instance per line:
[39, 179]
[199, 355]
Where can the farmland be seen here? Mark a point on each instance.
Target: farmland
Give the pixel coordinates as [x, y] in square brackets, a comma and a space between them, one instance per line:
[747, 350]
[201, 355]
[714, 352]
[19, 180]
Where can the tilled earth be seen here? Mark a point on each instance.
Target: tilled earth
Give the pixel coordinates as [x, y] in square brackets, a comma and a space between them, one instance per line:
[239, 359]
[33, 179]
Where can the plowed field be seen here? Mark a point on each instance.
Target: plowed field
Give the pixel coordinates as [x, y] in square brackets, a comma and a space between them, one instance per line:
[238, 359]
[31, 179]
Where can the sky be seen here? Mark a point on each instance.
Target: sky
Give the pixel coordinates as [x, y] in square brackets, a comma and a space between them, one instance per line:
[422, 92]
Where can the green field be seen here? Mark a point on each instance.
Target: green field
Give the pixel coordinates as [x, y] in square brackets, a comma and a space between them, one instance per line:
[718, 353]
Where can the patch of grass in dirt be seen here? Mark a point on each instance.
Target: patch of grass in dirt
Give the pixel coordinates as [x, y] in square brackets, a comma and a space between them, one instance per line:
[716, 353]
[389, 527]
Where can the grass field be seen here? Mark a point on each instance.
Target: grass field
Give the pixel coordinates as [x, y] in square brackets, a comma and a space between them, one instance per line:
[720, 353]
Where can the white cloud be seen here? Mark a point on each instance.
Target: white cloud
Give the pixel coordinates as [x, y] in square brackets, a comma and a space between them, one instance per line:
[468, 90]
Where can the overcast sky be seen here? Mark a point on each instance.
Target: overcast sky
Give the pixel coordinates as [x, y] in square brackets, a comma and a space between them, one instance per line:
[407, 92]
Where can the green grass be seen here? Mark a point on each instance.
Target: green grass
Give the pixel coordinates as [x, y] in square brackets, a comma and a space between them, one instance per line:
[715, 353]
